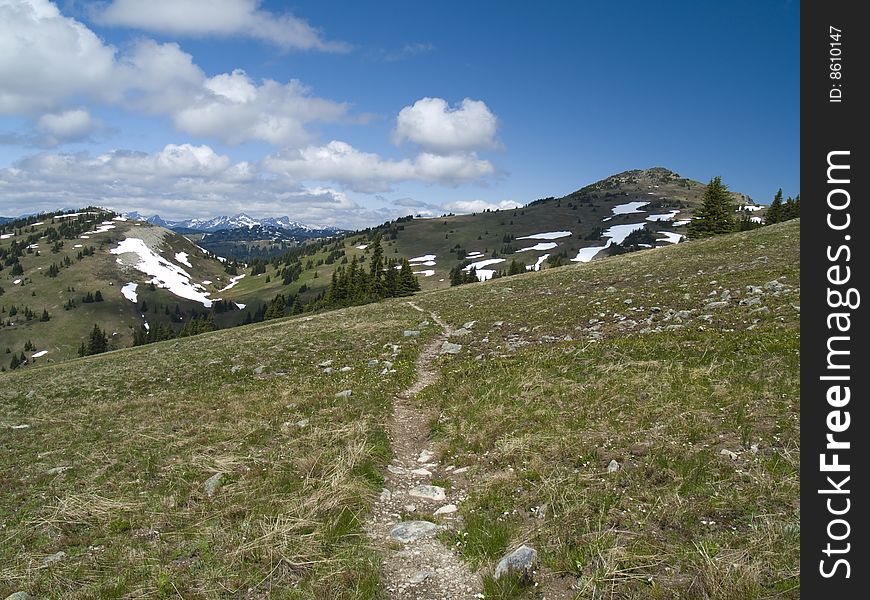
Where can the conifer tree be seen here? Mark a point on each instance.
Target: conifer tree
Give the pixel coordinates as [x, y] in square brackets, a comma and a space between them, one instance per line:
[716, 213]
[775, 211]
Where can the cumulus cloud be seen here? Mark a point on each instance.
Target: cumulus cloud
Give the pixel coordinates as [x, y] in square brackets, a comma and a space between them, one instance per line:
[476, 206]
[67, 126]
[367, 172]
[48, 61]
[438, 128]
[46, 58]
[235, 110]
[199, 18]
[178, 181]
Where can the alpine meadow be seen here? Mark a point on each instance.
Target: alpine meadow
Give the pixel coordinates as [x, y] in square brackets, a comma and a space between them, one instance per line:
[379, 301]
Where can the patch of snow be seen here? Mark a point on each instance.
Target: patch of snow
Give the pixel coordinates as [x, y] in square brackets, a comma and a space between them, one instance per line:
[232, 283]
[424, 258]
[33, 246]
[628, 208]
[605, 219]
[362, 246]
[484, 274]
[475, 254]
[77, 246]
[549, 235]
[665, 217]
[6, 236]
[39, 354]
[85, 237]
[587, 254]
[750, 207]
[206, 282]
[681, 223]
[618, 233]
[182, 258]
[39, 223]
[129, 292]
[425, 273]
[670, 237]
[537, 265]
[540, 246]
[240, 305]
[119, 218]
[146, 326]
[163, 273]
[16, 282]
[756, 219]
[428, 263]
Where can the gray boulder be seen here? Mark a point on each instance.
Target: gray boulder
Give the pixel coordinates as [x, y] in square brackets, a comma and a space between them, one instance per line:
[450, 348]
[519, 561]
[411, 531]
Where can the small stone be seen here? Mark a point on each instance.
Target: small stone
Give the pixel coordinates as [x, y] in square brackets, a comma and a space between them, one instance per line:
[774, 286]
[411, 531]
[410, 508]
[372, 363]
[520, 560]
[469, 325]
[57, 470]
[628, 301]
[235, 368]
[428, 492]
[211, 484]
[498, 324]
[612, 466]
[259, 370]
[422, 472]
[20, 595]
[460, 470]
[411, 333]
[395, 470]
[450, 348]
[425, 456]
[344, 394]
[302, 423]
[610, 289]
[715, 305]
[24, 426]
[728, 453]
[420, 577]
[53, 558]
[386, 495]
[345, 369]
[754, 448]
[325, 364]
[446, 509]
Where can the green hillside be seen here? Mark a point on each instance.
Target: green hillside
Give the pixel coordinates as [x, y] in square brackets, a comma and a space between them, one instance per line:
[633, 419]
[63, 258]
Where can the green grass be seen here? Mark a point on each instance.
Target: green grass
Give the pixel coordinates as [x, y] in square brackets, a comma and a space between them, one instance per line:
[537, 407]
[540, 416]
[141, 430]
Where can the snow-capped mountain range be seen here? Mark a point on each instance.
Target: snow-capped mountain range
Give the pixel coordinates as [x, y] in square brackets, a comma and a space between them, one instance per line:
[239, 221]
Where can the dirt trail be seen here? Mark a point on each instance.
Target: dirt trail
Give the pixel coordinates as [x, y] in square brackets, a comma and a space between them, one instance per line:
[416, 565]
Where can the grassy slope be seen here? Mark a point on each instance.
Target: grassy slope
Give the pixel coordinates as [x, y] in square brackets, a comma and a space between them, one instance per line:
[142, 429]
[539, 418]
[537, 415]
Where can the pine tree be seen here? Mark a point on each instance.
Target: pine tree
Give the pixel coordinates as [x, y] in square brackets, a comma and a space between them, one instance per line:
[45, 316]
[716, 213]
[408, 283]
[775, 211]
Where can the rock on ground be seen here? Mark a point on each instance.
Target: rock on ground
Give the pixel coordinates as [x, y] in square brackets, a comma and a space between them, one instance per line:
[411, 531]
[428, 492]
[519, 561]
[211, 484]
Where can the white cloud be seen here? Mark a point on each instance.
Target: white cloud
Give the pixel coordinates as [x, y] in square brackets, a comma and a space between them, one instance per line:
[224, 18]
[367, 172]
[48, 61]
[179, 181]
[436, 127]
[235, 110]
[67, 126]
[46, 58]
[476, 206]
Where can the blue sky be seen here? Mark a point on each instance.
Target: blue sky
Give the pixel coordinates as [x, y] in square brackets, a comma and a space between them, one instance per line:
[351, 113]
